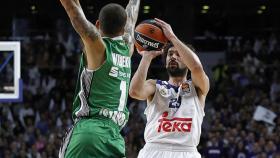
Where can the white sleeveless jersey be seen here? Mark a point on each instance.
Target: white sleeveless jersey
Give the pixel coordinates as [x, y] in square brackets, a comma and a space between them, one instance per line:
[174, 115]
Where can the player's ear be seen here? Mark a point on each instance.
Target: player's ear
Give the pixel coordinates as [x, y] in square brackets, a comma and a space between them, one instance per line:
[97, 24]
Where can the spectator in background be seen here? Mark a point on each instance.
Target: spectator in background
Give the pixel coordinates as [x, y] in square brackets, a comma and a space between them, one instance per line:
[275, 88]
[220, 71]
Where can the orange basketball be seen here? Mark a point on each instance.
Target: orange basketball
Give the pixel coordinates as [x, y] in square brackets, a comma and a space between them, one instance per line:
[149, 36]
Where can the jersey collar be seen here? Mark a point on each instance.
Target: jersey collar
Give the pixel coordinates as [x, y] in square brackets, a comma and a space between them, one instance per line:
[115, 38]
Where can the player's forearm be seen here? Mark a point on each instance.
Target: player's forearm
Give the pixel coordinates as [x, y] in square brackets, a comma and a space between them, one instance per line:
[187, 55]
[193, 63]
[140, 76]
[77, 17]
[132, 10]
[68, 3]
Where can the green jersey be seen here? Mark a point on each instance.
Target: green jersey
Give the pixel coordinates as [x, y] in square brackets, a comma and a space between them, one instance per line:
[103, 92]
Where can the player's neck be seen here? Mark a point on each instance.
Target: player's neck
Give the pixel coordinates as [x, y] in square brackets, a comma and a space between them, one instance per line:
[177, 81]
[111, 36]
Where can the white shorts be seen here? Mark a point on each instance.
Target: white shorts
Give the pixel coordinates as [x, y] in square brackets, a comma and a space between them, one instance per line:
[157, 150]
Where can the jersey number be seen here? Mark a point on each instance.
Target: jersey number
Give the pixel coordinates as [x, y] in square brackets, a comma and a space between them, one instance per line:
[123, 96]
[175, 102]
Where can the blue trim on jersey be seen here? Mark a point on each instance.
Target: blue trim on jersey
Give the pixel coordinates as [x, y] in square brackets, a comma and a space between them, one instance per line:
[168, 85]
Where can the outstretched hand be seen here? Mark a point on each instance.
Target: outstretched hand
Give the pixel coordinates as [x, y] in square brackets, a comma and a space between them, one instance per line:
[167, 30]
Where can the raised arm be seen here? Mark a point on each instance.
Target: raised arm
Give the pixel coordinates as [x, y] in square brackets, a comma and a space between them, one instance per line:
[189, 58]
[132, 10]
[93, 44]
[140, 88]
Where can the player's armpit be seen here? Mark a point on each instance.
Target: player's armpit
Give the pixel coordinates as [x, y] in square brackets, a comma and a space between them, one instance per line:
[200, 80]
[145, 92]
[95, 53]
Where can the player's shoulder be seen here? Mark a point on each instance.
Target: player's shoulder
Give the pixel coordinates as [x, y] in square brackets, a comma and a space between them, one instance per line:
[152, 81]
[117, 39]
[116, 42]
[161, 82]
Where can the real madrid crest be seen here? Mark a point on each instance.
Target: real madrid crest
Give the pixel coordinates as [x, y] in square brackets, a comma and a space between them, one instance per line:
[163, 91]
[186, 87]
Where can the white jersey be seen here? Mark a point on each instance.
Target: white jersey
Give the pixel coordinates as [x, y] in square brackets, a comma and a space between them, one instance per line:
[174, 116]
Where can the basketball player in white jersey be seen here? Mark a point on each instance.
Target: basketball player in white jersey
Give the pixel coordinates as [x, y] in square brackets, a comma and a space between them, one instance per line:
[175, 108]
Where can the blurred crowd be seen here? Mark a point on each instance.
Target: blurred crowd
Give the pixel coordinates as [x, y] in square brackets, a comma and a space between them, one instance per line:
[247, 78]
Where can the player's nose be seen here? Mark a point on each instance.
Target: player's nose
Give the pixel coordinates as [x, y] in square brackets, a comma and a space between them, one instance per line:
[174, 56]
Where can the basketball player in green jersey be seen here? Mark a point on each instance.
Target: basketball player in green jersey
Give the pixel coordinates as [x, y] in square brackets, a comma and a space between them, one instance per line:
[99, 107]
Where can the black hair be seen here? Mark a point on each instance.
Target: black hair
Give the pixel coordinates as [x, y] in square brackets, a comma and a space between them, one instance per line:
[165, 49]
[112, 18]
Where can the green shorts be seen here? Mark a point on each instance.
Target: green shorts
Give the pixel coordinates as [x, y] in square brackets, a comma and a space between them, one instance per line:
[95, 138]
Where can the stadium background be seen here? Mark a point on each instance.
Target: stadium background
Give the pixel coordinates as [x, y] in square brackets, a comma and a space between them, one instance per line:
[238, 42]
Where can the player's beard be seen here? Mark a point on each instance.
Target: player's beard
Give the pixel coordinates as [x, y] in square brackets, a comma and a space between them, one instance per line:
[176, 72]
